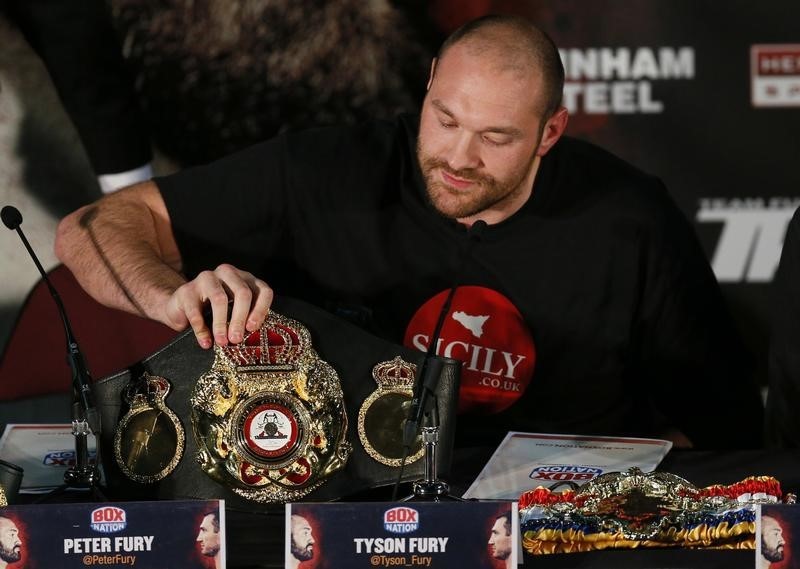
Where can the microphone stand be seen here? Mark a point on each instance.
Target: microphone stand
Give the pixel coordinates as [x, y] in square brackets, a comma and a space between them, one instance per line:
[424, 403]
[430, 488]
[85, 418]
[82, 475]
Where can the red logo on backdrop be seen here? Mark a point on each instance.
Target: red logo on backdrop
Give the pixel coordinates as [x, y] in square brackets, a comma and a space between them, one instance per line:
[775, 75]
[488, 334]
[781, 60]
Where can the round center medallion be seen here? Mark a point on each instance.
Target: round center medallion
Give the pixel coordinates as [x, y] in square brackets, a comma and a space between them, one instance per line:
[271, 430]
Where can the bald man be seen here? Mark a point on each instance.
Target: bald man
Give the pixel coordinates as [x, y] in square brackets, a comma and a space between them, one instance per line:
[772, 542]
[586, 304]
[302, 541]
[10, 543]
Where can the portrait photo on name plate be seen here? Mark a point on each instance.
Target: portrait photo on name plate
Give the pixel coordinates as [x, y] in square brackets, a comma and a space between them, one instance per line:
[778, 537]
[210, 537]
[306, 540]
[13, 540]
[501, 539]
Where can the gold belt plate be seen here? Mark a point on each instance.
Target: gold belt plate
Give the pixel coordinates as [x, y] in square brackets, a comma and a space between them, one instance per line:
[269, 416]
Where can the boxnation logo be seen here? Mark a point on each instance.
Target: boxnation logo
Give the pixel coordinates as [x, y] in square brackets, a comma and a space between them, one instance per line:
[565, 473]
[64, 458]
[108, 519]
[401, 520]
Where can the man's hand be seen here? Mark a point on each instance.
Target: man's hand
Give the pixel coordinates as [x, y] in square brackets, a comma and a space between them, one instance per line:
[251, 297]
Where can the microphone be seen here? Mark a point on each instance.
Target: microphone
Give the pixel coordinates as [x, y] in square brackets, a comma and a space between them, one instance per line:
[11, 216]
[428, 376]
[81, 380]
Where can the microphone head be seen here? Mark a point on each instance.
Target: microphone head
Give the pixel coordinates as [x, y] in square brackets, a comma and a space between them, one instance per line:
[12, 218]
[476, 229]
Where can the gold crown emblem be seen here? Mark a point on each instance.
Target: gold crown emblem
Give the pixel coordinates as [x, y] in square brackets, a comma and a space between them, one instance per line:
[280, 342]
[395, 374]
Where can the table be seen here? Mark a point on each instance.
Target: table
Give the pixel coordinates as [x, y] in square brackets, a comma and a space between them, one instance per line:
[256, 540]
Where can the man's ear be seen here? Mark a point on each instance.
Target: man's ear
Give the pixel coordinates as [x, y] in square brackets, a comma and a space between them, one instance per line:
[552, 131]
[433, 72]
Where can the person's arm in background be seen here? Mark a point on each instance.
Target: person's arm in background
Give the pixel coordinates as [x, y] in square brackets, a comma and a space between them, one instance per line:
[122, 251]
[782, 421]
[78, 46]
[692, 361]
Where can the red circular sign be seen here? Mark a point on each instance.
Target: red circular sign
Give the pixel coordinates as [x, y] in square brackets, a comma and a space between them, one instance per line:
[488, 334]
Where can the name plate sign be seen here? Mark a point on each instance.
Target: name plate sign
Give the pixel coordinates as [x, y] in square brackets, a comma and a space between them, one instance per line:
[121, 534]
[402, 534]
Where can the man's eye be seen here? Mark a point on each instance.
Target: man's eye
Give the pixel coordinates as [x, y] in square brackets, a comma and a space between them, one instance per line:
[495, 141]
[446, 124]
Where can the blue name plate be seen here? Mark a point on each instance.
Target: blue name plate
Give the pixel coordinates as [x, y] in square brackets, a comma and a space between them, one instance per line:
[122, 534]
[402, 534]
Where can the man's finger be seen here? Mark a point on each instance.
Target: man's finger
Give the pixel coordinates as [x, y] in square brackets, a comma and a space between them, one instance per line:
[213, 291]
[263, 300]
[242, 297]
[194, 315]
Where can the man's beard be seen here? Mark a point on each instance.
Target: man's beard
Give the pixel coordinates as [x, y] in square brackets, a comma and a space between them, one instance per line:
[771, 553]
[502, 555]
[211, 551]
[10, 555]
[303, 554]
[486, 192]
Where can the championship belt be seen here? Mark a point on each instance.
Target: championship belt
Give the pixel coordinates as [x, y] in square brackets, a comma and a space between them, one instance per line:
[633, 509]
[307, 407]
[269, 415]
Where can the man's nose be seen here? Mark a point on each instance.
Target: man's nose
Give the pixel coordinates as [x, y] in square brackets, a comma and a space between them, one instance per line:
[465, 152]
